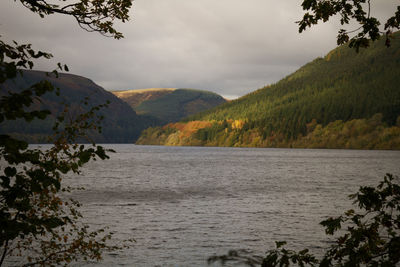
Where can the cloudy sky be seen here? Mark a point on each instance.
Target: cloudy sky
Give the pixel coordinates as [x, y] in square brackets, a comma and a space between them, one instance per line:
[231, 47]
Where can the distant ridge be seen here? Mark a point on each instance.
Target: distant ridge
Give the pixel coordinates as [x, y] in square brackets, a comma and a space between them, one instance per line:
[125, 93]
[169, 104]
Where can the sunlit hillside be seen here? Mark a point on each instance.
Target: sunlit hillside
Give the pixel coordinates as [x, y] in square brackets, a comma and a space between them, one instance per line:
[343, 86]
[135, 97]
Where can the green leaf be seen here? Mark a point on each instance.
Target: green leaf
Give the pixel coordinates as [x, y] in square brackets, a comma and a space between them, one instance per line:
[332, 225]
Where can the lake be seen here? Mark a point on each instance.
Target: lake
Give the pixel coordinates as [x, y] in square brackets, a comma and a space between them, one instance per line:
[185, 204]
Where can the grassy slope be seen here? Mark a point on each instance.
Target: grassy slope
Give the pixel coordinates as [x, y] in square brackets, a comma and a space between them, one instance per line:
[179, 104]
[135, 97]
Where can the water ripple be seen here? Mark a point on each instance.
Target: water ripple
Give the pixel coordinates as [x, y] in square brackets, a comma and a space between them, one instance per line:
[184, 204]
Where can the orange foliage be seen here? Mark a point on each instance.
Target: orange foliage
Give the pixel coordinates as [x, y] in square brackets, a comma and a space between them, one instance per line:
[237, 124]
[188, 128]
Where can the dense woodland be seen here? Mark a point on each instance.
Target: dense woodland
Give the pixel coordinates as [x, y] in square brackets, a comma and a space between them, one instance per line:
[359, 93]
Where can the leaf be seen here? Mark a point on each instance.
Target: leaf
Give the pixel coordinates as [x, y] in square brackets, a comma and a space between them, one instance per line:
[10, 171]
[5, 181]
[280, 244]
[332, 225]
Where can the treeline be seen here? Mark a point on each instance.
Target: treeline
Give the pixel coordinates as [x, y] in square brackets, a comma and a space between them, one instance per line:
[372, 133]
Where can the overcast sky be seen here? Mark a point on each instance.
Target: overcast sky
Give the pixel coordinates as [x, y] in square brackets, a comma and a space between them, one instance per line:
[231, 47]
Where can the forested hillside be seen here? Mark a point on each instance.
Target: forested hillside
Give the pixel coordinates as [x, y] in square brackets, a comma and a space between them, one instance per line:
[121, 124]
[343, 86]
[168, 104]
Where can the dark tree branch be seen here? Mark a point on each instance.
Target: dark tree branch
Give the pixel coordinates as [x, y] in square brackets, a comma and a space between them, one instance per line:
[4, 252]
[92, 16]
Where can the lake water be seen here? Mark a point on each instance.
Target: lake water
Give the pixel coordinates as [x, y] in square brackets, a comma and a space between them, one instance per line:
[184, 204]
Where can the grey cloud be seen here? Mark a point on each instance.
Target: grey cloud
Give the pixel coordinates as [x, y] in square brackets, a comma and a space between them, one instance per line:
[229, 46]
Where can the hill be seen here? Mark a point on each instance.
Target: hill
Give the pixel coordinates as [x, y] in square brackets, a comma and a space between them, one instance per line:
[120, 125]
[135, 97]
[344, 100]
[169, 104]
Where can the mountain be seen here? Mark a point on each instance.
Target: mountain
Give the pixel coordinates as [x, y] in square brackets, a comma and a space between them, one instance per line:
[120, 125]
[343, 100]
[170, 104]
[135, 97]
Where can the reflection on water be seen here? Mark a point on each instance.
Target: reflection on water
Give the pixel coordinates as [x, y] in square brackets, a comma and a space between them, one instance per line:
[184, 204]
